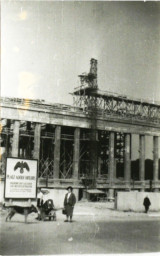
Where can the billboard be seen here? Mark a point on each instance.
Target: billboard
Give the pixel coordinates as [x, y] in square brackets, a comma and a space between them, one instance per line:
[21, 178]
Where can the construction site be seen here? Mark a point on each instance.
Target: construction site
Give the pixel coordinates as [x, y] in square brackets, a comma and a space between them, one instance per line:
[87, 145]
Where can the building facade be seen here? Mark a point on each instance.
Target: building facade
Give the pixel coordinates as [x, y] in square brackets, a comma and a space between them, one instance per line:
[85, 145]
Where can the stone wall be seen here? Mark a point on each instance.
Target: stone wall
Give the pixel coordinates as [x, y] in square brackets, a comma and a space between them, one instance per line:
[56, 194]
[133, 201]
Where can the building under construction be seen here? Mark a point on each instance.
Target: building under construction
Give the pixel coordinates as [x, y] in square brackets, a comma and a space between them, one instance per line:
[87, 145]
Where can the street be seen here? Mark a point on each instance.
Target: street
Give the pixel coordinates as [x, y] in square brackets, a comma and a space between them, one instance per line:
[87, 234]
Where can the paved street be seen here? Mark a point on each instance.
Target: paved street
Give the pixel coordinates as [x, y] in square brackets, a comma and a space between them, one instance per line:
[89, 233]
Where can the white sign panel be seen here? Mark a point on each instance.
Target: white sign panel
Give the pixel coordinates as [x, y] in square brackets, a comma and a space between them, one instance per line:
[21, 178]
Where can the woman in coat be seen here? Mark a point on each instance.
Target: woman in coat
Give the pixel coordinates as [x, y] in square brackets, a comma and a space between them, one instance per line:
[69, 202]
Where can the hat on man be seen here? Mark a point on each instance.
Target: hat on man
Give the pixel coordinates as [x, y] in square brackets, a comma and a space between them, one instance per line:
[70, 188]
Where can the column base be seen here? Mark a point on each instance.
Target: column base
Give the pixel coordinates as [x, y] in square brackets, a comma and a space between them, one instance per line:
[142, 189]
[155, 185]
[76, 182]
[111, 194]
[57, 182]
[127, 185]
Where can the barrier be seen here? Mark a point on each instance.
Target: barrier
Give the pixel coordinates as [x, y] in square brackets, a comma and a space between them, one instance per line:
[133, 201]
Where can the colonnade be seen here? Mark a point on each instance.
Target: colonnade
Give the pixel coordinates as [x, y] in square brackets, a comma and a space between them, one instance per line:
[36, 150]
[76, 154]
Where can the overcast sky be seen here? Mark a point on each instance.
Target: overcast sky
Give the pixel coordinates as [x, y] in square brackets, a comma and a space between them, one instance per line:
[46, 45]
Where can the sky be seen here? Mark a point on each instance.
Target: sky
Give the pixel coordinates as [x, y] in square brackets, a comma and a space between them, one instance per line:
[45, 45]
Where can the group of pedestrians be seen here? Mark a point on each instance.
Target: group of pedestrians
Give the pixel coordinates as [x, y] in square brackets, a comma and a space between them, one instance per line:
[69, 202]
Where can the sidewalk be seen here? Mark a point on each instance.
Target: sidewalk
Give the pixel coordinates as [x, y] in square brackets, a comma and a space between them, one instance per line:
[105, 210]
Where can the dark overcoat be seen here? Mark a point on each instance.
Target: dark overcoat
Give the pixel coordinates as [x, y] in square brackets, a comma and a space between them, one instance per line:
[69, 205]
[146, 202]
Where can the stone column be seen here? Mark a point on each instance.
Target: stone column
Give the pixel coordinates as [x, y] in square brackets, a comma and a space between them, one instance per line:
[155, 160]
[37, 137]
[93, 156]
[76, 152]
[111, 168]
[127, 160]
[7, 144]
[99, 167]
[15, 143]
[57, 145]
[142, 160]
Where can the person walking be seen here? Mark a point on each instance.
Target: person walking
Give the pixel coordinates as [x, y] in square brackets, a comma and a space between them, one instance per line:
[146, 203]
[69, 202]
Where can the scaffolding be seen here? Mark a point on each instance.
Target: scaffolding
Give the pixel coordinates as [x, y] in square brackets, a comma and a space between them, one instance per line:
[88, 86]
[88, 95]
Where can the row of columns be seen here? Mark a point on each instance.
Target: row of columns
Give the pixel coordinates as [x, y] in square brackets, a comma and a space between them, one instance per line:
[127, 159]
[76, 153]
[142, 157]
[36, 151]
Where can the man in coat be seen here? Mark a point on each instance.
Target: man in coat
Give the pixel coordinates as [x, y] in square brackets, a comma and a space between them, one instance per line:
[146, 203]
[69, 202]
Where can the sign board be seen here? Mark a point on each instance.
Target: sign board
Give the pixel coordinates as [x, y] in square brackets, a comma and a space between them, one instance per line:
[21, 178]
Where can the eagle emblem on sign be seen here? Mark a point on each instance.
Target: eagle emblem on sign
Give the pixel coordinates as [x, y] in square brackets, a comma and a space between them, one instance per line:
[22, 165]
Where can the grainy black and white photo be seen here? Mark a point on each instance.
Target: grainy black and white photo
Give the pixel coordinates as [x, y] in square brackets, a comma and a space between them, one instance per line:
[80, 127]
